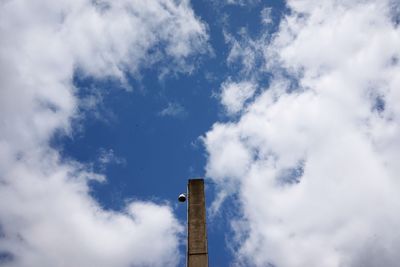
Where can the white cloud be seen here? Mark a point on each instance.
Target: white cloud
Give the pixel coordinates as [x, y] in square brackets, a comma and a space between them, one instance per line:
[173, 109]
[234, 95]
[316, 168]
[247, 53]
[243, 2]
[47, 217]
[242, 51]
[266, 16]
[107, 156]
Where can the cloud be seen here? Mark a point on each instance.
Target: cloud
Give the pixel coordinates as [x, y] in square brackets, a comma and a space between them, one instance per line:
[47, 217]
[173, 110]
[245, 52]
[242, 2]
[234, 95]
[313, 160]
[108, 157]
[266, 16]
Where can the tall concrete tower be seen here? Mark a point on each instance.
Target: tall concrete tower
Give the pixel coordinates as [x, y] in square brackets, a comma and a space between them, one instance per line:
[197, 251]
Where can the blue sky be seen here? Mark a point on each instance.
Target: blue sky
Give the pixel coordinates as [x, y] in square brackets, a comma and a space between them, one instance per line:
[289, 109]
[161, 152]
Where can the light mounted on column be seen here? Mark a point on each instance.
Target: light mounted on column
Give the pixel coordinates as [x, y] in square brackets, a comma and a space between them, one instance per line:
[182, 197]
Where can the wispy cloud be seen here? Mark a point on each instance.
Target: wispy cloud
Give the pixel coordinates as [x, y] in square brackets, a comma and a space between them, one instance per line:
[242, 2]
[174, 109]
[266, 15]
[107, 156]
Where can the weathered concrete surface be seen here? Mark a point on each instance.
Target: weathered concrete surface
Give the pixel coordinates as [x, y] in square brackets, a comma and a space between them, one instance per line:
[197, 231]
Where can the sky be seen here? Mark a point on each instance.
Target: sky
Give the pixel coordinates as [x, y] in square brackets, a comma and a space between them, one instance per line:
[290, 110]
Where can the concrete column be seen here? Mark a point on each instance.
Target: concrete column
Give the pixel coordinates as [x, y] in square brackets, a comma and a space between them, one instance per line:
[197, 232]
